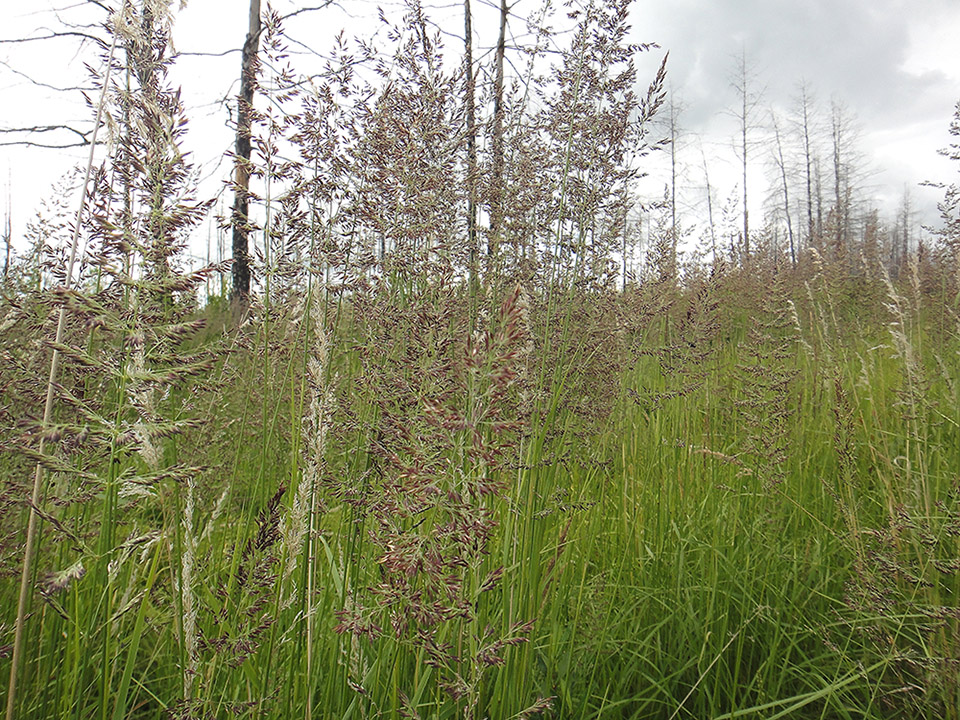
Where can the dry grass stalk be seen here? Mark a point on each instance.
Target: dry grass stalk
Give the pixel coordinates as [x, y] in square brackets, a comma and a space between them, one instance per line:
[35, 496]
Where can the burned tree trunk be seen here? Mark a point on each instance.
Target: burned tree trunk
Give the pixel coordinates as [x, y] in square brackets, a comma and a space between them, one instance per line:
[241, 202]
[496, 195]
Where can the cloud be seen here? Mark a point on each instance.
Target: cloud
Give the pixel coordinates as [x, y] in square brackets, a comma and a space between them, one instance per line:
[893, 63]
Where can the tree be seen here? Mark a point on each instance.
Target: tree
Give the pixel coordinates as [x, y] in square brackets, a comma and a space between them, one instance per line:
[744, 82]
[671, 121]
[496, 196]
[7, 240]
[805, 110]
[841, 179]
[949, 208]
[950, 205]
[847, 170]
[901, 241]
[709, 193]
[781, 166]
[469, 91]
[240, 218]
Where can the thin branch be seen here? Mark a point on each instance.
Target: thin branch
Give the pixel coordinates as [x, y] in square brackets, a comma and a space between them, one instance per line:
[52, 36]
[82, 3]
[33, 81]
[28, 143]
[324, 6]
[45, 128]
[209, 54]
[231, 51]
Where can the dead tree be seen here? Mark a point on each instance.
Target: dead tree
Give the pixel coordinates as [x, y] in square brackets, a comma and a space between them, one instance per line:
[469, 97]
[496, 196]
[240, 217]
[781, 165]
[743, 83]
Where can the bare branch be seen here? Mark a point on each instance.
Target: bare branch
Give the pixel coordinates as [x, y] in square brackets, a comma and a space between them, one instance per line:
[83, 142]
[230, 51]
[209, 54]
[43, 129]
[103, 6]
[323, 6]
[27, 143]
[52, 36]
[38, 83]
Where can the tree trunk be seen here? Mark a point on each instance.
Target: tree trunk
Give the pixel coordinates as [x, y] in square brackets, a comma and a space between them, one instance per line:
[808, 158]
[7, 239]
[818, 188]
[742, 83]
[746, 208]
[838, 151]
[241, 201]
[469, 97]
[673, 185]
[496, 196]
[713, 228]
[782, 167]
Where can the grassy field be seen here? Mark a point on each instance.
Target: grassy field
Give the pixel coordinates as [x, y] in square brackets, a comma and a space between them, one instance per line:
[440, 469]
[745, 505]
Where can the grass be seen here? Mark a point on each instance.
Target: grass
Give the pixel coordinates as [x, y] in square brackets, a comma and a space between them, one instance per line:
[646, 563]
[397, 485]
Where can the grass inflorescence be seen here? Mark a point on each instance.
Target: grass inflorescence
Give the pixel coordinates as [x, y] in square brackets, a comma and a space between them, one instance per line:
[440, 468]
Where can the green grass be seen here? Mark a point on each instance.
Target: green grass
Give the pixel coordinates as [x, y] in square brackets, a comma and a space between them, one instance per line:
[397, 486]
[664, 573]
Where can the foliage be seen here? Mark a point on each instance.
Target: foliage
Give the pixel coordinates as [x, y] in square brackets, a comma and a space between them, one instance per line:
[393, 490]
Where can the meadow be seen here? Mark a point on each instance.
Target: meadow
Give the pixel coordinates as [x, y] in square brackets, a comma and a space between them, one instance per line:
[452, 463]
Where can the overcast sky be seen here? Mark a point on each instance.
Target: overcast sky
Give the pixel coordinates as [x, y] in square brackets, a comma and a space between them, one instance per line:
[894, 64]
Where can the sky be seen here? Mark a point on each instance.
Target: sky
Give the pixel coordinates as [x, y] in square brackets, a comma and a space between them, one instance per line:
[893, 64]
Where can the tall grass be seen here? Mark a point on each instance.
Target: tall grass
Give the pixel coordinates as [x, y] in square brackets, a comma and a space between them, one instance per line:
[389, 488]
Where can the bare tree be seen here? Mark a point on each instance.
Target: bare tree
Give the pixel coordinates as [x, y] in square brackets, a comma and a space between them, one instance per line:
[848, 171]
[805, 109]
[709, 192]
[744, 81]
[240, 218]
[781, 166]
[470, 102]
[496, 196]
[903, 238]
[672, 121]
[949, 207]
[7, 238]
